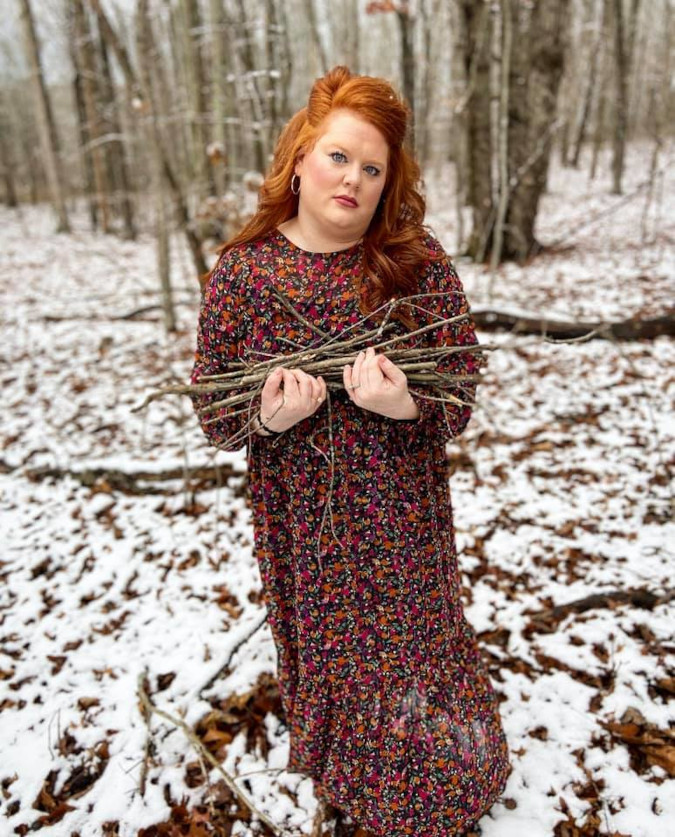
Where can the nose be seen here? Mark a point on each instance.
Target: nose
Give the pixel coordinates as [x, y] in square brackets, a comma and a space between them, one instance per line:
[352, 176]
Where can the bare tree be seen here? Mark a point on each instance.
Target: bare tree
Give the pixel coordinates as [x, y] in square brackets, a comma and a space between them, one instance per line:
[624, 42]
[249, 91]
[594, 16]
[321, 49]
[191, 29]
[116, 145]
[147, 55]
[47, 127]
[146, 91]
[222, 104]
[537, 61]
[84, 48]
[6, 155]
[506, 40]
[406, 20]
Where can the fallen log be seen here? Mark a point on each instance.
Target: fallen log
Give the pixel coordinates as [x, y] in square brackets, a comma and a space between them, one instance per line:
[489, 319]
[547, 619]
[131, 482]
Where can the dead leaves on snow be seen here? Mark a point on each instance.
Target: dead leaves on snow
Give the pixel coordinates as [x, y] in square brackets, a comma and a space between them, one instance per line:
[648, 745]
[85, 766]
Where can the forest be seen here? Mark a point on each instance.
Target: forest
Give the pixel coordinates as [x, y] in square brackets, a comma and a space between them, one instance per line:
[138, 688]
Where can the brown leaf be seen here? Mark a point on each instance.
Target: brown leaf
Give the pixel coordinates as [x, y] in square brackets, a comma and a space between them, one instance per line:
[662, 756]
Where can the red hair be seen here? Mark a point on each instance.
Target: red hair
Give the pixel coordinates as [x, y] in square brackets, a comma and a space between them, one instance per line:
[394, 243]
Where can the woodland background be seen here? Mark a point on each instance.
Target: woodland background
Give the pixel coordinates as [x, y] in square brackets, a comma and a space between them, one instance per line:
[133, 138]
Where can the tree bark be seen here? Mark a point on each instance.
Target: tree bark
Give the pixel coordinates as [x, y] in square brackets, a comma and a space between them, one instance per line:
[624, 39]
[477, 28]
[6, 156]
[537, 59]
[47, 127]
[249, 93]
[87, 61]
[581, 127]
[83, 130]
[117, 157]
[147, 53]
[506, 41]
[532, 113]
[321, 51]
[630, 329]
[219, 95]
[406, 27]
[204, 182]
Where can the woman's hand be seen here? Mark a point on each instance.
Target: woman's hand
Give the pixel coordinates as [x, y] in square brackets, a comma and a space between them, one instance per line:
[377, 384]
[301, 396]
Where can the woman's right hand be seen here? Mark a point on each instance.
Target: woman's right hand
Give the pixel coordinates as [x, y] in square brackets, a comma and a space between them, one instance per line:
[302, 395]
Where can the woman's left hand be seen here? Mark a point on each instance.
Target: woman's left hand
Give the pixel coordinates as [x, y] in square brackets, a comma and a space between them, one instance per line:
[377, 384]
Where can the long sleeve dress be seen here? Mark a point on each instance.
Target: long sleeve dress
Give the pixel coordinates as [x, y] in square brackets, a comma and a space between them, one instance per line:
[389, 705]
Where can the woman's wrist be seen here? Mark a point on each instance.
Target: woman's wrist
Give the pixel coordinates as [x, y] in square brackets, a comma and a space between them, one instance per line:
[260, 425]
[412, 411]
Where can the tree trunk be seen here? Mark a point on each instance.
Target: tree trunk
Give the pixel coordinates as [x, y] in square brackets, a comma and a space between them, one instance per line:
[83, 129]
[286, 59]
[47, 127]
[118, 168]
[197, 98]
[532, 122]
[602, 95]
[146, 54]
[6, 156]
[87, 60]
[250, 93]
[321, 51]
[624, 39]
[406, 24]
[589, 88]
[539, 33]
[477, 28]
[505, 53]
[351, 46]
[424, 91]
[219, 93]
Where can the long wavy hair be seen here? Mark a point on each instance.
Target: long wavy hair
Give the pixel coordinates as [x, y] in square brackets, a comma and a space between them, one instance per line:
[394, 241]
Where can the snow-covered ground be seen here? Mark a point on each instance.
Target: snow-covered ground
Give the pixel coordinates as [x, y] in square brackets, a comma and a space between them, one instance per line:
[561, 490]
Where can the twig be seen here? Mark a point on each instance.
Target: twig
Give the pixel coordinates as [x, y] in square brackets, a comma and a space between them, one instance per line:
[226, 665]
[142, 679]
[150, 709]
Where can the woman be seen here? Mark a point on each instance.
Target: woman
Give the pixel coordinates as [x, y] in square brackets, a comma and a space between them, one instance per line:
[389, 706]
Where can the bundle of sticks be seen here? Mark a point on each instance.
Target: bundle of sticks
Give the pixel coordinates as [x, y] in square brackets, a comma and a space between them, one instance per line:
[328, 358]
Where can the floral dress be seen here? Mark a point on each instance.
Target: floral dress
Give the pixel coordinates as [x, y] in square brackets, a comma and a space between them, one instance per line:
[389, 705]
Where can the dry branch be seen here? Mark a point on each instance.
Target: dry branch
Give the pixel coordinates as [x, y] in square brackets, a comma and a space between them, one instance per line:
[149, 709]
[629, 329]
[225, 667]
[131, 482]
[638, 597]
[328, 359]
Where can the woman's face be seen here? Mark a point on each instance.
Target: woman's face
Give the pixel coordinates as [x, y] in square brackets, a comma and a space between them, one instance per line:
[342, 177]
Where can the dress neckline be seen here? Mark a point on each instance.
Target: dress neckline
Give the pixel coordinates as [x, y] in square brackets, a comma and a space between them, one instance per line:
[316, 253]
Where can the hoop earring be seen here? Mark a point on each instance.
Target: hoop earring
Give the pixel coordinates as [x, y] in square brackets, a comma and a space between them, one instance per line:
[293, 183]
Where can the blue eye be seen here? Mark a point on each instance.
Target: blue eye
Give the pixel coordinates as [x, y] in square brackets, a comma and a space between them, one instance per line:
[372, 170]
[337, 154]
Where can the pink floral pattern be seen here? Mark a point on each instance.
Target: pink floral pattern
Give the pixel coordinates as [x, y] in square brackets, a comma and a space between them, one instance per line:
[389, 705]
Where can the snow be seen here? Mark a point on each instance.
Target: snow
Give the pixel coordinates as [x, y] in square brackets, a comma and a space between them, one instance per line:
[561, 489]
